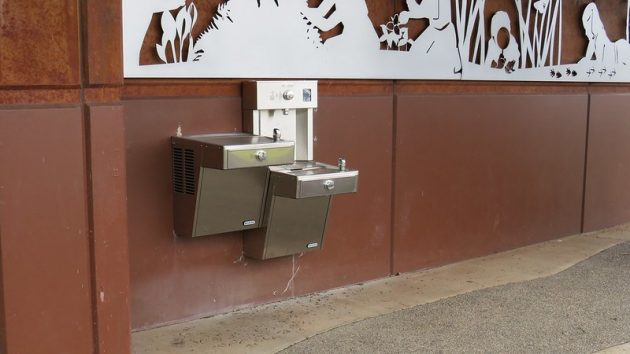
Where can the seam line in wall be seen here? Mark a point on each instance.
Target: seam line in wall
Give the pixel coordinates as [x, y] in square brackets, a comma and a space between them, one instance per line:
[585, 172]
[87, 143]
[392, 193]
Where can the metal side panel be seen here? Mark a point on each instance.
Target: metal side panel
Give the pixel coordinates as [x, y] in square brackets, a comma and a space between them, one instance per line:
[230, 200]
[295, 225]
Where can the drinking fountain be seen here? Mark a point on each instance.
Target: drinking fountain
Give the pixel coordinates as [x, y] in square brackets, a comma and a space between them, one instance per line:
[263, 181]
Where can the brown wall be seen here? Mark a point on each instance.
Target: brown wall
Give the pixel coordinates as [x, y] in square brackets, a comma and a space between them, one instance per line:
[482, 173]
[40, 43]
[446, 174]
[3, 327]
[607, 191]
[45, 233]
[471, 169]
[110, 264]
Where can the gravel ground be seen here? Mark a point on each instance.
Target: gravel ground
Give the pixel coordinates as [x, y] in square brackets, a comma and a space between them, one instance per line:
[581, 310]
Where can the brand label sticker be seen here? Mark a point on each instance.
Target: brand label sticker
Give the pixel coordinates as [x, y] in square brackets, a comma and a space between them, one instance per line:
[312, 245]
[249, 222]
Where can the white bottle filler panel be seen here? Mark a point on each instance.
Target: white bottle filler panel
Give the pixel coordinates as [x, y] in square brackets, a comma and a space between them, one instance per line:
[282, 107]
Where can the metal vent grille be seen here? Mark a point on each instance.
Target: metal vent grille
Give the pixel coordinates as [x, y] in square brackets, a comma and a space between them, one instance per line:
[183, 171]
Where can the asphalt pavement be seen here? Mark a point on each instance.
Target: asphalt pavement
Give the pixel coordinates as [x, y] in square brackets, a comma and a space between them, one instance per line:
[583, 309]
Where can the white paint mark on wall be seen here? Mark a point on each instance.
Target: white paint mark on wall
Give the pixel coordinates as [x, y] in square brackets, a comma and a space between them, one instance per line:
[291, 282]
[241, 260]
[178, 132]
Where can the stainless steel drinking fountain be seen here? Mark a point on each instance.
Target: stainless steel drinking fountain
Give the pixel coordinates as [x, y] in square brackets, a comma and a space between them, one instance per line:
[263, 181]
[220, 181]
[296, 210]
[298, 195]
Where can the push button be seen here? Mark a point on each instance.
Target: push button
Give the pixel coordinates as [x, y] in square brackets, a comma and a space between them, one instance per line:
[261, 155]
[288, 95]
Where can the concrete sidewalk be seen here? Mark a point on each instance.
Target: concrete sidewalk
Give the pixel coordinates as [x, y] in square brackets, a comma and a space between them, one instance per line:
[347, 314]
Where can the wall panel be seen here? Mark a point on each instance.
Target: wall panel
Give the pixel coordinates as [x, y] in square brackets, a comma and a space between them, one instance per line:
[45, 247]
[477, 174]
[3, 327]
[40, 43]
[103, 48]
[109, 227]
[607, 192]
